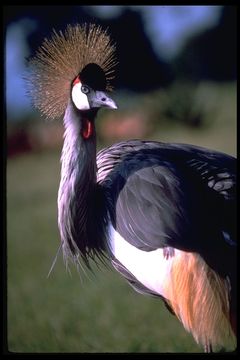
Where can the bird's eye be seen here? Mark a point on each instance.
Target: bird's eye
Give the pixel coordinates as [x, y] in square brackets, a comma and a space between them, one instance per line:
[85, 89]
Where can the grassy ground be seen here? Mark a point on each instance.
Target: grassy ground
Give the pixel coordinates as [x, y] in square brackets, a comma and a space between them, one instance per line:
[66, 313]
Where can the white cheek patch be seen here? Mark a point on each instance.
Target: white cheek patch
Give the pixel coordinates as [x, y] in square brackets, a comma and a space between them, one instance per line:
[80, 100]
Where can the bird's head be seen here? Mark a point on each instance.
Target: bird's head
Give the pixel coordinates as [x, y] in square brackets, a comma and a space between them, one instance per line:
[78, 62]
[89, 89]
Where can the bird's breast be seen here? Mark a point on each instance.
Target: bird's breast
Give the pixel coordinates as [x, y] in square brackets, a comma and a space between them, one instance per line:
[197, 295]
[150, 268]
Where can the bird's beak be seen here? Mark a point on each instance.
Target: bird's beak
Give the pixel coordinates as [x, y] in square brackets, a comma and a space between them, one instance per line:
[101, 99]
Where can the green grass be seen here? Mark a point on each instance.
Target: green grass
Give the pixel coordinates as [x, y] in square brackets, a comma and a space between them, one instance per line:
[66, 313]
[218, 105]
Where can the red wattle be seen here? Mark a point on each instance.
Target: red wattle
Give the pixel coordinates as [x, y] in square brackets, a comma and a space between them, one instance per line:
[87, 129]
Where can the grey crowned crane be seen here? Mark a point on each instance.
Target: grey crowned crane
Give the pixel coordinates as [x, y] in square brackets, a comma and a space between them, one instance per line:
[164, 214]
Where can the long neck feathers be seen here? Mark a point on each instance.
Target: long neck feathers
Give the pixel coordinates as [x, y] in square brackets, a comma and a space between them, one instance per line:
[77, 188]
[58, 61]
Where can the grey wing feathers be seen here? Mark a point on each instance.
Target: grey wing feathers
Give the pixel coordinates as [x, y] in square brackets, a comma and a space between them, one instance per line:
[169, 194]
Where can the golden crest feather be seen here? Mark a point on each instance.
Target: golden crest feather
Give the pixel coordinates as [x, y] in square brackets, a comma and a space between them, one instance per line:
[60, 59]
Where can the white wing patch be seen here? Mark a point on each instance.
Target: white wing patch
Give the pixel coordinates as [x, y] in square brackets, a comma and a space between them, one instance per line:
[151, 268]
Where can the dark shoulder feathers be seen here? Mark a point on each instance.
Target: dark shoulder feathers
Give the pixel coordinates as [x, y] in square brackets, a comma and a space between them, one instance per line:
[170, 195]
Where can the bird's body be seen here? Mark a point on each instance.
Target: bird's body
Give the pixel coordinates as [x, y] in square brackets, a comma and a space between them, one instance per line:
[170, 208]
[161, 212]
[164, 214]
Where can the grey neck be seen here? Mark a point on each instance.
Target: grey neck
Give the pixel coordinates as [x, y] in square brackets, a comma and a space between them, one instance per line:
[77, 185]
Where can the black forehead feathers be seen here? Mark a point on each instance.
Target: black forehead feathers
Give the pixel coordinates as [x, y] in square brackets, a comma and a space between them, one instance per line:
[93, 76]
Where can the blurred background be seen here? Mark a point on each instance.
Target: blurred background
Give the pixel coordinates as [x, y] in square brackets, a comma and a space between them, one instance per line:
[175, 82]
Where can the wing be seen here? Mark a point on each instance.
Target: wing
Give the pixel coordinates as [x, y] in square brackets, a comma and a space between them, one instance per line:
[171, 195]
[149, 209]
